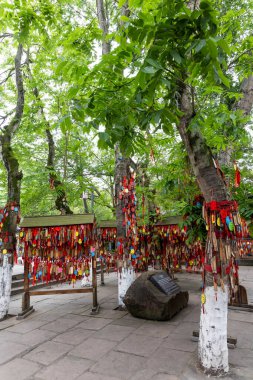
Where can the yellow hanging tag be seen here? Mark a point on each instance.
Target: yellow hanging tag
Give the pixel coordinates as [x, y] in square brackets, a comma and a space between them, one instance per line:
[203, 298]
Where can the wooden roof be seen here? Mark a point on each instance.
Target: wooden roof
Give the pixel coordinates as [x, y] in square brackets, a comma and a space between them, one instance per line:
[171, 220]
[57, 220]
[107, 224]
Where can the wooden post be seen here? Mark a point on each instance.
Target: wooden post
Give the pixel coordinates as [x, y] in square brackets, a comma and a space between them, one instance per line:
[27, 309]
[95, 307]
[102, 271]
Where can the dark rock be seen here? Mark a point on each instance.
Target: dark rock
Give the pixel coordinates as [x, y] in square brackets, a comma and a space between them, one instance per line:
[145, 300]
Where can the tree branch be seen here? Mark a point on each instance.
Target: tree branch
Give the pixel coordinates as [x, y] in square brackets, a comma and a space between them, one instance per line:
[10, 73]
[103, 23]
[61, 201]
[15, 122]
[246, 102]
[10, 161]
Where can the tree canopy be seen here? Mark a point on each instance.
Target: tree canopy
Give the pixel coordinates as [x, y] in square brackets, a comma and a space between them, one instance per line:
[89, 102]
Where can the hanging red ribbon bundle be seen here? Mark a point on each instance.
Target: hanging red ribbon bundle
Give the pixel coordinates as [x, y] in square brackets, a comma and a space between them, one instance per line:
[57, 253]
[237, 175]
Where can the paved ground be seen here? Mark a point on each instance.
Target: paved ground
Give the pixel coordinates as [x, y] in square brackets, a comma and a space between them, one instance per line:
[62, 341]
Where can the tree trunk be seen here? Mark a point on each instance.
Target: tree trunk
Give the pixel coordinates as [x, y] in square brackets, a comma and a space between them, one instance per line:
[61, 203]
[213, 352]
[126, 275]
[125, 271]
[14, 176]
[104, 26]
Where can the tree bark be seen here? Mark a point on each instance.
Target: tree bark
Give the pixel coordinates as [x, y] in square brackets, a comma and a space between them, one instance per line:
[210, 180]
[213, 352]
[104, 26]
[14, 177]
[61, 203]
[121, 170]
[122, 167]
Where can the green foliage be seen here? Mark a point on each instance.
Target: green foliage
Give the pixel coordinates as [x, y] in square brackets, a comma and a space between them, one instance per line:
[130, 96]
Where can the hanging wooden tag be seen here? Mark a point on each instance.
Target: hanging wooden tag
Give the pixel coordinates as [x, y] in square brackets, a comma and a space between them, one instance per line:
[222, 252]
[213, 264]
[228, 251]
[214, 239]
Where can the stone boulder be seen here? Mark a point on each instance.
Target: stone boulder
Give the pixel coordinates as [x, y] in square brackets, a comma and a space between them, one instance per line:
[145, 300]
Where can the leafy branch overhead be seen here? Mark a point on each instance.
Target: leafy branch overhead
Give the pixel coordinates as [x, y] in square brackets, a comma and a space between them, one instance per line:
[157, 53]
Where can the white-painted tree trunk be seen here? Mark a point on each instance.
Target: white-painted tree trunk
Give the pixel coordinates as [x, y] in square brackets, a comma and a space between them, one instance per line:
[5, 286]
[125, 279]
[213, 349]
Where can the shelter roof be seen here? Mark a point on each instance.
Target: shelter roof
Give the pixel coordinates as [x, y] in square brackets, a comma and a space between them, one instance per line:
[107, 224]
[57, 220]
[170, 220]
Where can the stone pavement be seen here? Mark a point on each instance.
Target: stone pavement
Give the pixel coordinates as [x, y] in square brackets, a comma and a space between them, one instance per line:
[61, 340]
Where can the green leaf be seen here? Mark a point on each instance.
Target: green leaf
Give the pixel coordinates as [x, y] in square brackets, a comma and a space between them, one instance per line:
[149, 70]
[212, 47]
[223, 44]
[177, 57]
[167, 128]
[222, 77]
[124, 18]
[200, 46]
[154, 63]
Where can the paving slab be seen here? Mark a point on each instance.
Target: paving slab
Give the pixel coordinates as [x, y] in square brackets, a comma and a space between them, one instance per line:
[155, 329]
[186, 328]
[60, 325]
[136, 322]
[18, 369]
[9, 350]
[48, 352]
[169, 361]
[93, 348]
[165, 376]
[27, 325]
[242, 316]
[66, 368]
[241, 357]
[146, 374]
[109, 313]
[97, 376]
[74, 336]
[120, 365]
[114, 332]
[49, 316]
[31, 338]
[180, 343]
[62, 340]
[139, 345]
[8, 323]
[95, 323]
[241, 373]
[75, 317]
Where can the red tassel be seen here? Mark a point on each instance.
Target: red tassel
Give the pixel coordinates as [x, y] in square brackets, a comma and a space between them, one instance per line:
[237, 178]
[237, 175]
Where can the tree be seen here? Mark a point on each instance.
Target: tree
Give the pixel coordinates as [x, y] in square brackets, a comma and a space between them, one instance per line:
[187, 50]
[14, 177]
